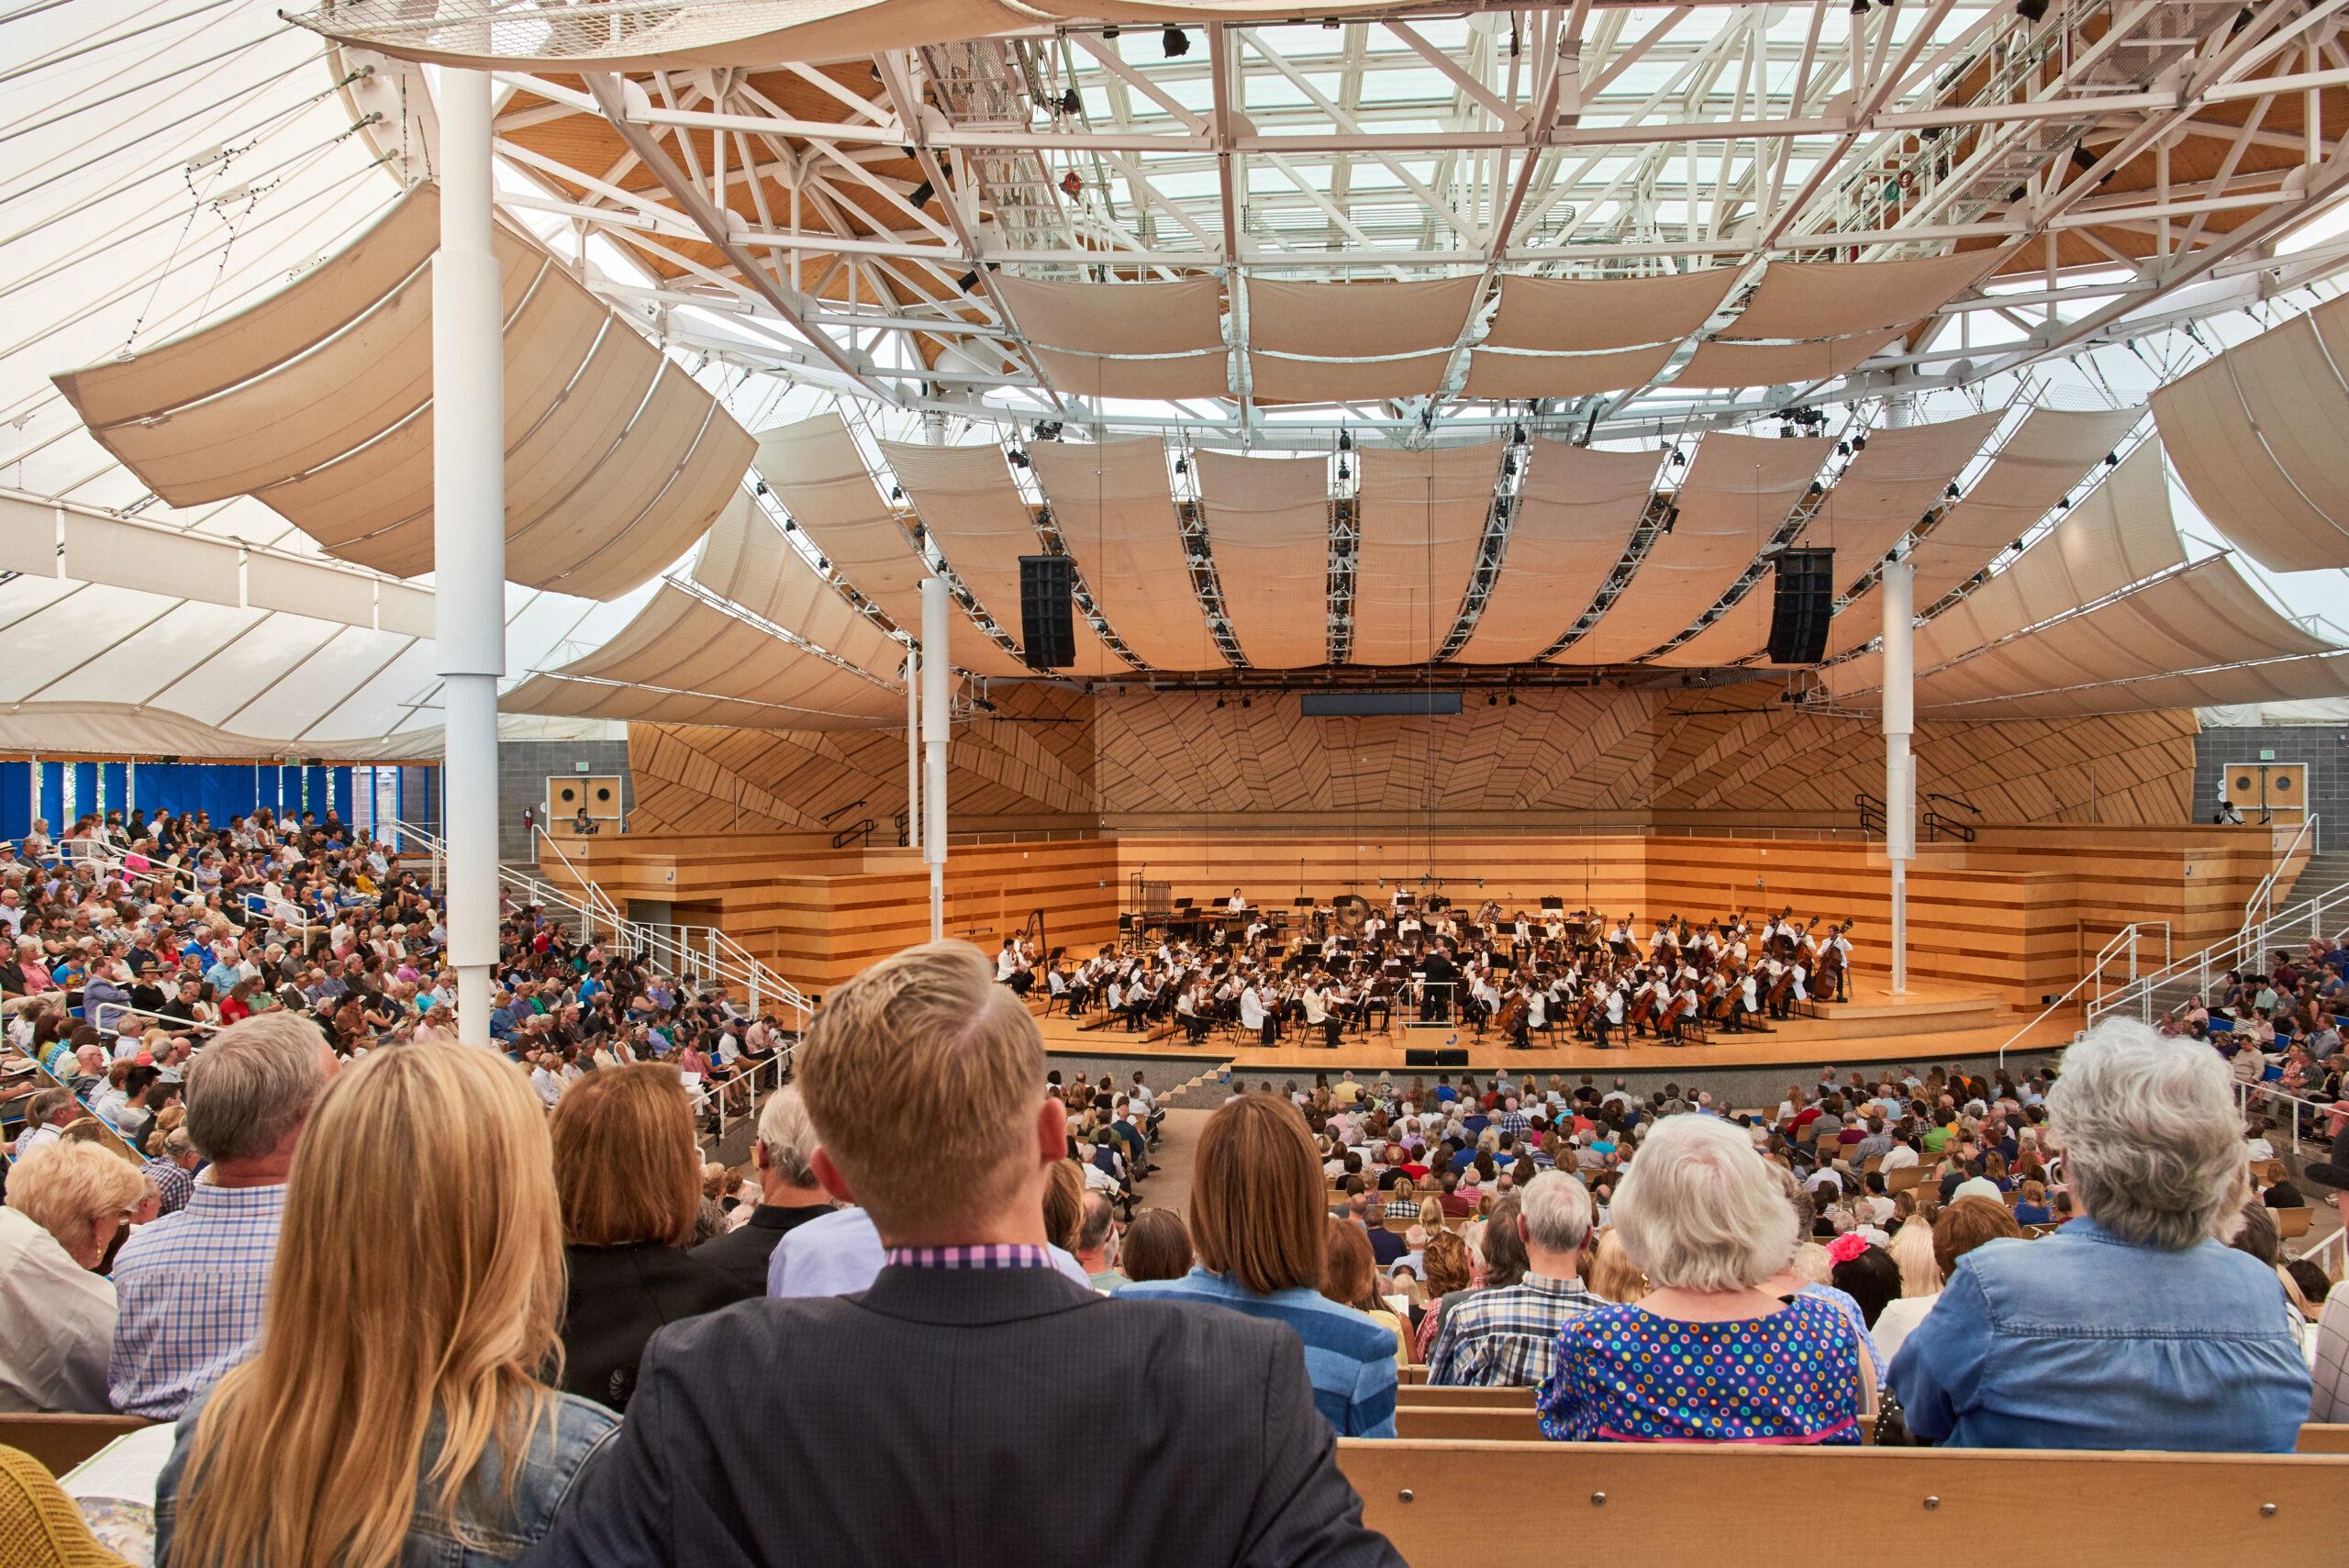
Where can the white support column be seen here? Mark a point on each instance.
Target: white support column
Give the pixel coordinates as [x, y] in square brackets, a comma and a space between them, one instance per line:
[913, 750]
[1898, 590]
[468, 535]
[937, 724]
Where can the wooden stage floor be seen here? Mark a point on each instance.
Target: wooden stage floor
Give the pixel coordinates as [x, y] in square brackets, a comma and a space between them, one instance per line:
[1935, 1022]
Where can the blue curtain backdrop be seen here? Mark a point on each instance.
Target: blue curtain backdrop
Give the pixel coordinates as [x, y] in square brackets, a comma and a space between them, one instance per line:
[16, 799]
[52, 798]
[86, 789]
[118, 786]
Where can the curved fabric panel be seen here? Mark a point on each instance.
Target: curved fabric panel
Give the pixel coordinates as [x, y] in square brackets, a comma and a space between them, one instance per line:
[1117, 319]
[2042, 463]
[2204, 615]
[1816, 299]
[1888, 485]
[1576, 315]
[1171, 379]
[815, 473]
[679, 645]
[1507, 377]
[746, 32]
[747, 560]
[1738, 492]
[1276, 379]
[1421, 517]
[297, 318]
[1116, 516]
[2256, 438]
[1722, 364]
[1575, 511]
[1268, 527]
[2286, 680]
[387, 484]
[2122, 534]
[175, 565]
[977, 517]
[1354, 320]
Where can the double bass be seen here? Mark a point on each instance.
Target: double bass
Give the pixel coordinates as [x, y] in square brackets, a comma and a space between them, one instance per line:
[1830, 964]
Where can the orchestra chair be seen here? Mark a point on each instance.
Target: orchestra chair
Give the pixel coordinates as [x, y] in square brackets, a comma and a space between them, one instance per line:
[62, 1442]
[1907, 1176]
[1631, 1502]
[2292, 1223]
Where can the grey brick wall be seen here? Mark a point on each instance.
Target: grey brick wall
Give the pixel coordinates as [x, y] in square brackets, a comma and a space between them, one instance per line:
[2324, 748]
[523, 768]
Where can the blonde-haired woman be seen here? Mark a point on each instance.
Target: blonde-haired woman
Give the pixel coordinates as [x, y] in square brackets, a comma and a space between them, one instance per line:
[394, 1413]
[1921, 1285]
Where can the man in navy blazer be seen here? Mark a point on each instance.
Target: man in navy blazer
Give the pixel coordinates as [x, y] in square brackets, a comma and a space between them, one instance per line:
[973, 1406]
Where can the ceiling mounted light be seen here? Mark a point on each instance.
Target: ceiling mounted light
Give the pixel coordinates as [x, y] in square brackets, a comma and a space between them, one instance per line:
[896, 493]
[1859, 443]
[1512, 699]
[1345, 442]
[968, 282]
[1679, 457]
[1952, 491]
[920, 196]
[1071, 104]
[1671, 517]
[1859, 7]
[1110, 31]
[1018, 458]
[1344, 473]
[1843, 449]
[2031, 10]
[1072, 184]
[1182, 466]
[2112, 460]
[1177, 44]
[1508, 465]
[2082, 158]
[1517, 434]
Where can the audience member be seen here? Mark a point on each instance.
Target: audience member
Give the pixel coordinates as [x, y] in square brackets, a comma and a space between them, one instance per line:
[1706, 1355]
[2134, 1326]
[783, 1430]
[1256, 1226]
[1157, 1247]
[1449, 1269]
[789, 1195]
[395, 1413]
[1508, 1336]
[192, 1285]
[57, 1313]
[1096, 1233]
[628, 1171]
[1350, 1278]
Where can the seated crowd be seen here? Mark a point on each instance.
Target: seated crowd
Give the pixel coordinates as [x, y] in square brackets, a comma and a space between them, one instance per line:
[407, 1315]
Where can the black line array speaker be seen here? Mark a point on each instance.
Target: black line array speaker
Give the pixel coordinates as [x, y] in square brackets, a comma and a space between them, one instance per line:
[1804, 599]
[1453, 1056]
[1047, 611]
[1420, 1055]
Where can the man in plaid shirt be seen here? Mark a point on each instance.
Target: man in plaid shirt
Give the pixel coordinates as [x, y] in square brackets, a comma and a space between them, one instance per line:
[1508, 1338]
[191, 1286]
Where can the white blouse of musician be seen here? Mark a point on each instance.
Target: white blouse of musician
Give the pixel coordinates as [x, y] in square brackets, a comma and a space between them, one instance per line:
[1238, 905]
[1251, 1009]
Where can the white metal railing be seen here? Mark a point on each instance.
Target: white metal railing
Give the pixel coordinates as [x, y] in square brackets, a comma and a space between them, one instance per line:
[2331, 1255]
[2246, 946]
[2245, 1089]
[2261, 905]
[2123, 948]
[730, 1104]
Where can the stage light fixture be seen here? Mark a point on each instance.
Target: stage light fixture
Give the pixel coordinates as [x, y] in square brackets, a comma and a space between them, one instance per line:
[1018, 458]
[1671, 518]
[1859, 443]
[1071, 104]
[1843, 449]
[1182, 466]
[1679, 459]
[758, 487]
[1072, 184]
[920, 196]
[1859, 7]
[2112, 460]
[896, 493]
[1952, 491]
[1343, 471]
[1508, 465]
[2243, 20]
[968, 282]
[1491, 701]
[1109, 32]
[1218, 702]
[1518, 435]
[1345, 442]
[2082, 158]
[1247, 702]
[2031, 10]
[1177, 44]
[1512, 699]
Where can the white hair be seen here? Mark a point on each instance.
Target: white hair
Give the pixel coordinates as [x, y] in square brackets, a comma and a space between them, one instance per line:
[1700, 1209]
[787, 1135]
[1556, 1210]
[2151, 1139]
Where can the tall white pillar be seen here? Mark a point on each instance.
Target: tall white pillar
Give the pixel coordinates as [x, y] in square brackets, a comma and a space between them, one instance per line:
[469, 536]
[1898, 592]
[937, 721]
[913, 750]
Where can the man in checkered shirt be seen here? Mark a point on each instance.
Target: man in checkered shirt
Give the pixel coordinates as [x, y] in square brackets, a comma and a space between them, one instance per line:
[1508, 1338]
[191, 1286]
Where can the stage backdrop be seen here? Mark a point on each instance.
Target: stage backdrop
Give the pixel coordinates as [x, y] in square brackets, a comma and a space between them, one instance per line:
[1047, 756]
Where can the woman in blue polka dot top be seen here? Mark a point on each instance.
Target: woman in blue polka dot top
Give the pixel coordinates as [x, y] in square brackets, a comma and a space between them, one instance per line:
[1707, 1355]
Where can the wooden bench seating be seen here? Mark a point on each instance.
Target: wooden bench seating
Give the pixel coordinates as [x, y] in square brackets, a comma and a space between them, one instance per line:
[1430, 1396]
[1669, 1502]
[60, 1442]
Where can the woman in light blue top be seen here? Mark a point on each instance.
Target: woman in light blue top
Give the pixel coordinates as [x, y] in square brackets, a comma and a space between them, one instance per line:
[1257, 1226]
[395, 1414]
[2134, 1326]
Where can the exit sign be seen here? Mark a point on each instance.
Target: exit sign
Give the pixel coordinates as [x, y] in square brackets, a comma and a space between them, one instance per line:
[2267, 755]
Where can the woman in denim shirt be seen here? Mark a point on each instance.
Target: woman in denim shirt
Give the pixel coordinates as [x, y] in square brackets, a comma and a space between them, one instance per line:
[395, 1414]
[2134, 1326]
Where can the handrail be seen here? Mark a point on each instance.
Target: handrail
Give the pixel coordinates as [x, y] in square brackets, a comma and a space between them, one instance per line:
[859, 832]
[1872, 812]
[2245, 1089]
[826, 819]
[2124, 938]
[1963, 804]
[2262, 903]
[600, 899]
[2229, 953]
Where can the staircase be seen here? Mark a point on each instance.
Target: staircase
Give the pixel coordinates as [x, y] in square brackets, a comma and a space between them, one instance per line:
[2328, 868]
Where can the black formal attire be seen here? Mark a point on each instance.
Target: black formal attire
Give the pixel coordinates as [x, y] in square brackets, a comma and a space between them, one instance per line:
[619, 1295]
[742, 1253]
[1441, 977]
[921, 1422]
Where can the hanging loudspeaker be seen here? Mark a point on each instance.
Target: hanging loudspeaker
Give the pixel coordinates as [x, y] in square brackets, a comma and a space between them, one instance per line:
[1047, 611]
[1804, 599]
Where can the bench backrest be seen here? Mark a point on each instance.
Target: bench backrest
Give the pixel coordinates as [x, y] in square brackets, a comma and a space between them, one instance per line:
[1447, 1398]
[1455, 1423]
[60, 1442]
[1680, 1503]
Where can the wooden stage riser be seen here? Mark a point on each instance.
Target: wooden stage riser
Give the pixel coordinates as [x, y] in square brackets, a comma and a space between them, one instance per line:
[2022, 919]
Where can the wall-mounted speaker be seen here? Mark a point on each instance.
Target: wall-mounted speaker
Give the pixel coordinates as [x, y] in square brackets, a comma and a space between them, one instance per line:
[1047, 611]
[1803, 599]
